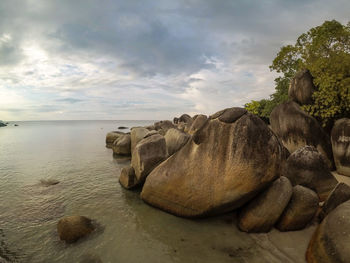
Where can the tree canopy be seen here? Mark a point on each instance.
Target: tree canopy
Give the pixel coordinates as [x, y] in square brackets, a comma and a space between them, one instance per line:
[325, 51]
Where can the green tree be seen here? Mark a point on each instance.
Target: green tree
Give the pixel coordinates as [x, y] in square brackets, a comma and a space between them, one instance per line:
[325, 51]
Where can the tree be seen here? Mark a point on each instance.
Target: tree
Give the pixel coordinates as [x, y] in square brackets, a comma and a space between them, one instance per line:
[325, 52]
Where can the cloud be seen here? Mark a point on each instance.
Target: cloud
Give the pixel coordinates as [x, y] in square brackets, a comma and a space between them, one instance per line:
[144, 59]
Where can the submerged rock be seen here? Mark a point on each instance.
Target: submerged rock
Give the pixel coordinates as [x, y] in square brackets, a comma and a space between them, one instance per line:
[148, 153]
[72, 228]
[297, 129]
[307, 167]
[220, 169]
[331, 240]
[49, 182]
[122, 128]
[302, 87]
[341, 146]
[339, 195]
[300, 210]
[261, 214]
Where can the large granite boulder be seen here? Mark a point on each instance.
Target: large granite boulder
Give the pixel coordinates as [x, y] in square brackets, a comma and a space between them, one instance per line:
[341, 146]
[296, 129]
[339, 195]
[198, 123]
[307, 167]
[148, 153]
[127, 178]
[137, 134]
[175, 140]
[163, 126]
[300, 210]
[331, 240]
[72, 228]
[185, 118]
[122, 145]
[221, 168]
[261, 214]
[229, 115]
[111, 137]
[301, 88]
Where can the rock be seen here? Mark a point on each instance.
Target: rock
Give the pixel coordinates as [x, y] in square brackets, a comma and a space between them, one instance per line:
[300, 210]
[307, 167]
[150, 127]
[185, 118]
[175, 140]
[198, 123]
[301, 88]
[331, 241]
[2, 124]
[341, 145]
[127, 178]
[261, 214]
[72, 228]
[122, 128]
[137, 134]
[122, 145]
[148, 153]
[90, 258]
[111, 137]
[163, 126]
[151, 133]
[176, 120]
[49, 182]
[16, 125]
[221, 168]
[339, 195]
[296, 129]
[229, 115]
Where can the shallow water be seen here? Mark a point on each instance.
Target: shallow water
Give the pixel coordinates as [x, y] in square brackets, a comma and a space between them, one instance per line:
[74, 153]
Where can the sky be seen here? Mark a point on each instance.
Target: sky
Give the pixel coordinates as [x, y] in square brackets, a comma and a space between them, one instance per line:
[139, 60]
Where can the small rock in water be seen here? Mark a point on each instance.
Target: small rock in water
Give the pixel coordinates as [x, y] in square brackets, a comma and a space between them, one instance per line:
[16, 125]
[49, 182]
[72, 228]
[122, 128]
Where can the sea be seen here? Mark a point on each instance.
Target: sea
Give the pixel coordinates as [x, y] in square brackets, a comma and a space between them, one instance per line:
[130, 231]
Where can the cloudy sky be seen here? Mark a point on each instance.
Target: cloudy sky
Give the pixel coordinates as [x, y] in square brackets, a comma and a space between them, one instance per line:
[114, 59]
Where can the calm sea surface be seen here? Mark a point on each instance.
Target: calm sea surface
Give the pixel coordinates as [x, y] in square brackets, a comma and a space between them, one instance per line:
[74, 153]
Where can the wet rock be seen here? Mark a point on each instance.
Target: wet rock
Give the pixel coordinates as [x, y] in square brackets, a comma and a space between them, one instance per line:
[49, 182]
[148, 153]
[137, 134]
[128, 178]
[2, 124]
[72, 228]
[220, 169]
[198, 123]
[90, 258]
[301, 88]
[297, 129]
[175, 140]
[341, 145]
[163, 126]
[122, 128]
[261, 214]
[307, 167]
[339, 195]
[229, 115]
[331, 240]
[111, 137]
[122, 145]
[300, 210]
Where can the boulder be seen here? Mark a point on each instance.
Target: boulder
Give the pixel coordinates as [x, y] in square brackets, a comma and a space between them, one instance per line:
[307, 167]
[229, 115]
[198, 123]
[148, 153]
[128, 178]
[296, 129]
[331, 241]
[122, 145]
[137, 134]
[300, 210]
[301, 88]
[339, 195]
[175, 140]
[261, 214]
[185, 118]
[222, 167]
[163, 126]
[111, 137]
[2, 124]
[341, 145]
[72, 228]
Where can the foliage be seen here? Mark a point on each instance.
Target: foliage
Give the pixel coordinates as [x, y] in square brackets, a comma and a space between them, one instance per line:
[325, 51]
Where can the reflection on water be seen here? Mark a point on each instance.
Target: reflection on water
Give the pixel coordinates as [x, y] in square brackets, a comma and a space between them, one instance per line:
[74, 154]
